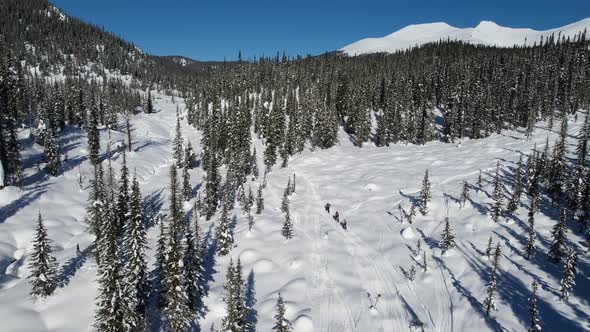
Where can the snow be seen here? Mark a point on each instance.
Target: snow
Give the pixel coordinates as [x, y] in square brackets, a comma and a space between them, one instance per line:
[324, 273]
[485, 33]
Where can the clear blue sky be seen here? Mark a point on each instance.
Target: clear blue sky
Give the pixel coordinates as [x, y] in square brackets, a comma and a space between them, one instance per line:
[212, 30]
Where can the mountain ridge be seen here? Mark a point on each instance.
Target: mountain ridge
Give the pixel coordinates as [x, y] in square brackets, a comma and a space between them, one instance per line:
[485, 33]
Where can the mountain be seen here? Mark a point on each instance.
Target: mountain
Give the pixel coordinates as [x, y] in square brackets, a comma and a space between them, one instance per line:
[485, 33]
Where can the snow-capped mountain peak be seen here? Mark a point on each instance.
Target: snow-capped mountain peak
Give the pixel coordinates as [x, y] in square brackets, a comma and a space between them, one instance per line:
[486, 33]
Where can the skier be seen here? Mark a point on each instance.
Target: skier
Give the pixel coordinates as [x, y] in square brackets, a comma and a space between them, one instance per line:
[327, 207]
[344, 224]
[337, 217]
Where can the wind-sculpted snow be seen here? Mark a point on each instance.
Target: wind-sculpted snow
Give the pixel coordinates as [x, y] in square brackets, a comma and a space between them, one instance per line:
[329, 277]
[485, 33]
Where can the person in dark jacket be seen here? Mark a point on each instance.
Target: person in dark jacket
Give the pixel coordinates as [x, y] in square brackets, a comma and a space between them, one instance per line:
[327, 207]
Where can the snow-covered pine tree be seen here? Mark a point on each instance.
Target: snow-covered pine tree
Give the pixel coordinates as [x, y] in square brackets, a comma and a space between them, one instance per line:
[287, 230]
[248, 208]
[412, 273]
[223, 233]
[497, 196]
[175, 204]
[533, 209]
[293, 184]
[557, 248]
[187, 190]
[254, 165]
[212, 186]
[178, 143]
[161, 253]
[490, 248]
[93, 137]
[123, 196]
[568, 281]
[479, 180]
[149, 109]
[448, 237]
[464, 193]
[52, 156]
[176, 310]
[517, 189]
[425, 195]
[285, 202]
[193, 263]
[43, 266]
[557, 164]
[489, 304]
[259, 201]
[534, 320]
[135, 242]
[189, 156]
[424, 264]
[282, 324]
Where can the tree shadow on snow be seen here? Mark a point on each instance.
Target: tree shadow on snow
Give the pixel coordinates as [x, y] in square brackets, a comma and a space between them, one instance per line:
[71, 267]
[252, 314]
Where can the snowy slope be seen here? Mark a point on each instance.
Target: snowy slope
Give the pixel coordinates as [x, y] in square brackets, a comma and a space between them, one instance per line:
[486, 33]
[324, 273]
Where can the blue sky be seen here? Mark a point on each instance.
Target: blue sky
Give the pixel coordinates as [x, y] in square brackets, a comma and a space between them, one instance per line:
[212, 30]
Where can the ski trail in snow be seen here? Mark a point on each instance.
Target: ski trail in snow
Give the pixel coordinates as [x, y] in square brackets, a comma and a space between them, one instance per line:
[369, 270]
[326, 299]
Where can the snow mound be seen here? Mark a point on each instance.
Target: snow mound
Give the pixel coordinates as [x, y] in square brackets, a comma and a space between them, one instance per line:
[408, 233]
[485, 33]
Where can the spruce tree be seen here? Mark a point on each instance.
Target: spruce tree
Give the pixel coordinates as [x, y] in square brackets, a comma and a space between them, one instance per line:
[568, 281]
[534, 320]
[187, 190]
[464, 194]
[490, 248]
[448, 237]
[557, 248]
[43, 278]
[293, 185]
[189, 156]
[212, 186]
[178, 143]
[248, 208]
[517, 190]
[223, 233]
[531, 247]
[150, 107]
[52, 157]
[193, 263]
[285, 201]
[425, 195]
[489, 303]
[259, 201]
[282, 324]
[176, 309]
[123, 198]
[287, 230]
[135, 241]
[497, 196]
[480, 180]
[93, 137]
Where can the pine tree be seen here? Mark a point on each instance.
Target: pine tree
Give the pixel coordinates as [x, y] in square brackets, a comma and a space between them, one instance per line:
[534, 320]
[212, 186]
[254, 165]
[497, 196]
[285, 201]
[517, 191]
[176, 310]
[424, 261]
[259, 201]
[464, 194]
[175, 204]
[448, 237]
[293, 185]
[187, 190]
[150, 107]
[489, 303]
[248, 208]
[412, 273]
[282, 324]
[557, 248]
[161, 253]
[52, 157]
[93, 137]
[479, 180]
[189, 156]
[178, 143]
[135, 241]
[235, 319]
[425, 195]
[287, 230]
[568, 281]
[43, 266]
[489, 248]
[193, 264]
[533, 209]
[123, 198]
[223, 233]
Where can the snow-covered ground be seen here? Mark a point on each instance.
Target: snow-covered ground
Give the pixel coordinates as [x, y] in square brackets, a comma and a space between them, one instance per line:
[485, 33]
[324, 273]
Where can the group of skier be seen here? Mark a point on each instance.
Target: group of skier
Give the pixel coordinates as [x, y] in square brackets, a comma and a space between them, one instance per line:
[336, 217]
